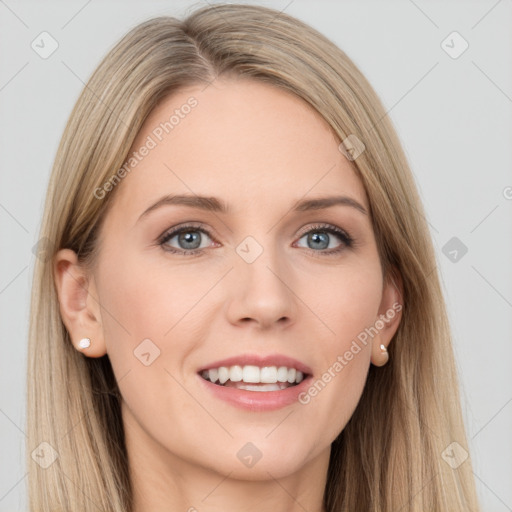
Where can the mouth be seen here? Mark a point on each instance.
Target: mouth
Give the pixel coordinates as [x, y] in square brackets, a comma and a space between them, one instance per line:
[254, 378]
[256, 382]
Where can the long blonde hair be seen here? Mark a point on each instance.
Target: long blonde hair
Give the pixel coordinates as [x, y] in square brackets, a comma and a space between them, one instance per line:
[391, 454]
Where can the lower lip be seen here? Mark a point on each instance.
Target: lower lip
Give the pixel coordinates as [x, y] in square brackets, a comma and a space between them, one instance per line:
[257, 400]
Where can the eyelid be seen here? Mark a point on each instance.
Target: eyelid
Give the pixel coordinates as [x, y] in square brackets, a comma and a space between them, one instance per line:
[322, 226]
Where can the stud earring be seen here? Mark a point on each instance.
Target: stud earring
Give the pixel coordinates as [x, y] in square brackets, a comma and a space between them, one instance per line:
[384, 356]
[84, 343]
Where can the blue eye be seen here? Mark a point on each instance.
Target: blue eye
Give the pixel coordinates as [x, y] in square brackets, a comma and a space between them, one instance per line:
[319, 236]
[186, 235]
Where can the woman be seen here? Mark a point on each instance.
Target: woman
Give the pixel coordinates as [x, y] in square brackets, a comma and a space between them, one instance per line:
[190, 346]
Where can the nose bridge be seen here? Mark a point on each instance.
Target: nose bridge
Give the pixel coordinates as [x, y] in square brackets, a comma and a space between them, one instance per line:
[260, 281]
[260, 258]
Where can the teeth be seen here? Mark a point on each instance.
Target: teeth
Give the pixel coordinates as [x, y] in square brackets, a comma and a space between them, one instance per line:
[214, 375]
[268, 374]
[235, 373]
[263, 387]
[282, 374]
[251, 374]
[223, 374]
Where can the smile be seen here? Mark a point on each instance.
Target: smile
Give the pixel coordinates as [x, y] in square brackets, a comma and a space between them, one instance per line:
[254, 378]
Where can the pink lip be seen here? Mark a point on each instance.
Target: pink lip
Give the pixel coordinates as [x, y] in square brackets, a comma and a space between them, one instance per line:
[256, 360]
[257, 401]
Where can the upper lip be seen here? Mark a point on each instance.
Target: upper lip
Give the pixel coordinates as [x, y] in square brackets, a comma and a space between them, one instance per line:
[260, 360]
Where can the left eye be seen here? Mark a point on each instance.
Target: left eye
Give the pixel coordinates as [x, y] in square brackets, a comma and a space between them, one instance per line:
[321, 238]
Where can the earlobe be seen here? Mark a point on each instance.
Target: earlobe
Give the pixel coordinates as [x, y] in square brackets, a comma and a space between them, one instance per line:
[390, 314]
[79, 307]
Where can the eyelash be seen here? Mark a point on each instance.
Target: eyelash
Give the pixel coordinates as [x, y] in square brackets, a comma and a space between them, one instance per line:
[348, 241]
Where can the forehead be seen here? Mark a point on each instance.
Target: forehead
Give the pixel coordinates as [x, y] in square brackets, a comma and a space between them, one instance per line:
[251, 144]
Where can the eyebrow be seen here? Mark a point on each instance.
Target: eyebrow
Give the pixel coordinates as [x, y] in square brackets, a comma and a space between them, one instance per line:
[213, 204]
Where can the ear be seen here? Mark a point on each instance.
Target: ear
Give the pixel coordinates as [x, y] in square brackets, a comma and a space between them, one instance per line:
[389, 316]
[79, 306]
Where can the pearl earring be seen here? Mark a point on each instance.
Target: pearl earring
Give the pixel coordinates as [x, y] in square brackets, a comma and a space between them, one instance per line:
[385, 354]
[84, 343]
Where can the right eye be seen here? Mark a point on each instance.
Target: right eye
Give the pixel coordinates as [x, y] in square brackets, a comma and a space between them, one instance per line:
[187, 236]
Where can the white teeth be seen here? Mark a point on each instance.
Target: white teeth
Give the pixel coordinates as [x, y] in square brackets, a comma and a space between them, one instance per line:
[268, 374]
[213, 374]
[223, 374]
[262, 387]
[282, 374]
[251, 374]
[235, 373]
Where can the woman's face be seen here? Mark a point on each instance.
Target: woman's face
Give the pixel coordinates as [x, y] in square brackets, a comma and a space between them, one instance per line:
[266, 279]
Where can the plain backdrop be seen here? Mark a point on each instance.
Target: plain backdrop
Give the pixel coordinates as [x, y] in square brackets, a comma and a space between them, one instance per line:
[452, 113]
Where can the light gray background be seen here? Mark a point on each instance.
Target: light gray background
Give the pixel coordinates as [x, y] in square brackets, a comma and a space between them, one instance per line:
[453, 117]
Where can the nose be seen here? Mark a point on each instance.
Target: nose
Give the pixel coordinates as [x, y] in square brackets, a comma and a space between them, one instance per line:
[261, 292]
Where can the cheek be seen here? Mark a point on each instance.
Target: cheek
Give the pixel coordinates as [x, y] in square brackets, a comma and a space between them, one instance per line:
[132, 312]
[143, 300]
[348, 301]
[144, 310]
[153, 324]
[349, 305]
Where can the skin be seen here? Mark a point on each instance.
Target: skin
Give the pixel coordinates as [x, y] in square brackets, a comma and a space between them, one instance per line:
[259, 149]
